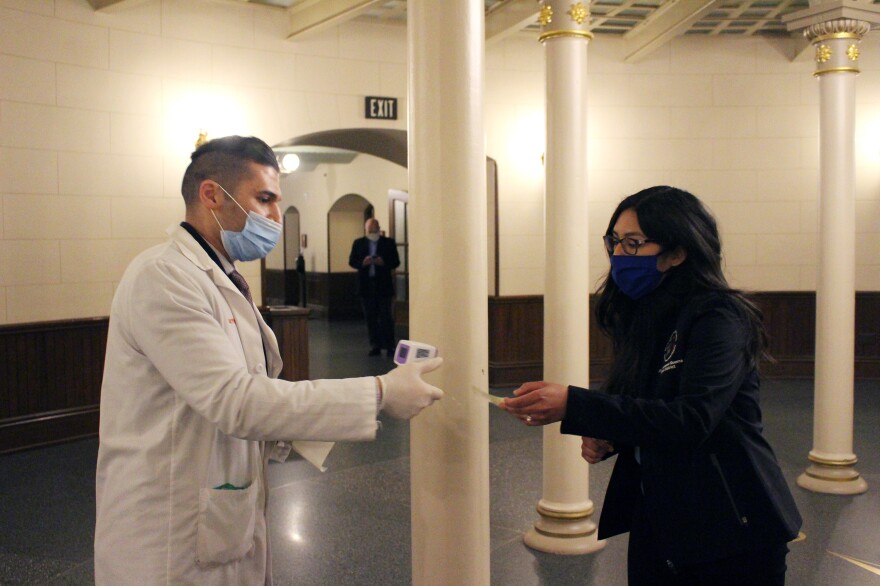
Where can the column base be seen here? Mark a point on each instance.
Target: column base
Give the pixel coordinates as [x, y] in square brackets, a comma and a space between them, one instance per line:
[842, 480]
[566, 534]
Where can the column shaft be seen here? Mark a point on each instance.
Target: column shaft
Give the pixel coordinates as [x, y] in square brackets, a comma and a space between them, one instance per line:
[835, 292]
[566, 264]
[565, 524]
[449, 443]
[832, 459]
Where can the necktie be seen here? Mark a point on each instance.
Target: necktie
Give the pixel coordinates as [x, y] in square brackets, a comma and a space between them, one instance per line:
[242, 285]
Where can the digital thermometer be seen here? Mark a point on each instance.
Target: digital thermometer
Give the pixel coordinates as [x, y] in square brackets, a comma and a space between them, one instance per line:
[409, 351]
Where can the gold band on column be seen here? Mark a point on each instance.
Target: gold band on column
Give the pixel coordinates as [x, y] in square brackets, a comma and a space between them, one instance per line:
[837, 70]
[566, 535]
[828, 462]
[832, 36]
[544, 512]
[812, 474]
[565, 33]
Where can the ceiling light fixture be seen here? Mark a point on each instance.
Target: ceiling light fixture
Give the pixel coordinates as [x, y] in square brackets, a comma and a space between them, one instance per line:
[289, 162]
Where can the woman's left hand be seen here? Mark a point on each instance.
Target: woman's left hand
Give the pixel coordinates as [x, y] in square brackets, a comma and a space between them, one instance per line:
[537, 403]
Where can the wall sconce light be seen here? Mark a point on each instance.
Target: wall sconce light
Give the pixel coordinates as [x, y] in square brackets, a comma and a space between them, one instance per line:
[202, 139]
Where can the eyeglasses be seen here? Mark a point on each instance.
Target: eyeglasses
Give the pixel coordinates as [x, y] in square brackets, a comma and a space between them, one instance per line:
[629, 245]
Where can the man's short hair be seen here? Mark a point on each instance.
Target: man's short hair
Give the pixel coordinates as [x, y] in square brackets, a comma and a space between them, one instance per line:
[224, 160]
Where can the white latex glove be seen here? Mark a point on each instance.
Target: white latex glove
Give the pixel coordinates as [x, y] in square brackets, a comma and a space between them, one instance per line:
[405, 394]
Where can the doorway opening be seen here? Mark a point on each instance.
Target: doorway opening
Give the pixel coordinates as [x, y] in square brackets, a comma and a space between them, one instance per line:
[283, 269]
[345, 224]
[329, 160]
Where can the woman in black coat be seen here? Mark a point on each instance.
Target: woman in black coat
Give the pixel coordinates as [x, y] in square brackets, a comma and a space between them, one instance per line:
[695, 483]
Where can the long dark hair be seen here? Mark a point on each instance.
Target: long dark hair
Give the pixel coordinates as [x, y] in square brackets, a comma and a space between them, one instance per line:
[674, 218]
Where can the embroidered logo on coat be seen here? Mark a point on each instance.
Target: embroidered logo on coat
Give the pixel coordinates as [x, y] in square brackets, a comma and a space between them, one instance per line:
[668, 352]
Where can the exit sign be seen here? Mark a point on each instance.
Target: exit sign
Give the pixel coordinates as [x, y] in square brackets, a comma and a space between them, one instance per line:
[380, 108]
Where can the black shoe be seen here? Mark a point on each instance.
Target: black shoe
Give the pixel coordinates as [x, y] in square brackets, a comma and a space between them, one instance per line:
[375, 352]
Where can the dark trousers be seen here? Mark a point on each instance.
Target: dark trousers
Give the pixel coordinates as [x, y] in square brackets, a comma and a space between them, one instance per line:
[647, 567]
[380, 321]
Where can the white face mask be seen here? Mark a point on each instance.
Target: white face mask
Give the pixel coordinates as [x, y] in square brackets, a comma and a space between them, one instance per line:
[373, 236]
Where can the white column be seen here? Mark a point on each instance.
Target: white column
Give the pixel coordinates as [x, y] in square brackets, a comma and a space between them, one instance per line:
[565, 524]
[832, 460]
[449, 443]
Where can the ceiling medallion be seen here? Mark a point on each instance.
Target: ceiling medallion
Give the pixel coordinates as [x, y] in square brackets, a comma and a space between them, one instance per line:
[578, 13]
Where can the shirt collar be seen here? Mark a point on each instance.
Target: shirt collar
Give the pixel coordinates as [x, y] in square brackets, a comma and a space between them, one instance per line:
[215, 254]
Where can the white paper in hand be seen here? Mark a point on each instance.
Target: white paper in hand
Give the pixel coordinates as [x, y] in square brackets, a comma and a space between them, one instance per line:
[494, 399]
[313, 452]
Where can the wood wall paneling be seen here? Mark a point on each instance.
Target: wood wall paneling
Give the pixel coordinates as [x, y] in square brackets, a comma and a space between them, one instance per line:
[790, 321]
[50, 381]
[868, 335]
[51, 372]
[515, 323]
[333, 295]
[291, 329]
[281, 287]
[516, 339]
[342, 299]
[316, 293]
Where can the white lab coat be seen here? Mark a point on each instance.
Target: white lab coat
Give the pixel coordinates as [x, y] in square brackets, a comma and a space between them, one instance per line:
[188, 404]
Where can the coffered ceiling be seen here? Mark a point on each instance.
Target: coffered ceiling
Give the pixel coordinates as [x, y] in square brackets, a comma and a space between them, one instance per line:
[644, 24]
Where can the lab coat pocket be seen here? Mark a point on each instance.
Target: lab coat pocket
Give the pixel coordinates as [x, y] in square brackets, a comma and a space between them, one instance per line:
[226, 524]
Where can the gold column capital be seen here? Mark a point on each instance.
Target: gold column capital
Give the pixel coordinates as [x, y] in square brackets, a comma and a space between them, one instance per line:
[564, 18]
[836, 43]
[843, 28]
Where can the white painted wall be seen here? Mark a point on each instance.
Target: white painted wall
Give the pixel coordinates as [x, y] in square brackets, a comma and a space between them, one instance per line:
[314, 193]
[99, 112]
[730, 119]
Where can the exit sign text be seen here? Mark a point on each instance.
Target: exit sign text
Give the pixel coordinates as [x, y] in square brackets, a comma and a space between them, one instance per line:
[380, 108]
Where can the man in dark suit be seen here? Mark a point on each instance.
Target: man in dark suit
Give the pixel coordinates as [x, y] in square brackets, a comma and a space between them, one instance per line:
[375, 256]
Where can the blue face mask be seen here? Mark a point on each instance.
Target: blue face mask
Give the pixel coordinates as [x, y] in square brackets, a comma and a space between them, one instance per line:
[636, 276]
[256, 240]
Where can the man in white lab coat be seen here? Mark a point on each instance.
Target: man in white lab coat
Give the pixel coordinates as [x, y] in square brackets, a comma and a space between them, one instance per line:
[191, 410]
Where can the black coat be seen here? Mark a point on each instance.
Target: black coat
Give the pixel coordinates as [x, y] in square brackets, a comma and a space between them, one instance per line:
[387, 249]
[712, 486]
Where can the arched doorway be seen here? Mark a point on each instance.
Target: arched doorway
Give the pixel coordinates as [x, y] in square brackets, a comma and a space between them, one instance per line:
[281, 280]
[338, 148]
[345, 223]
